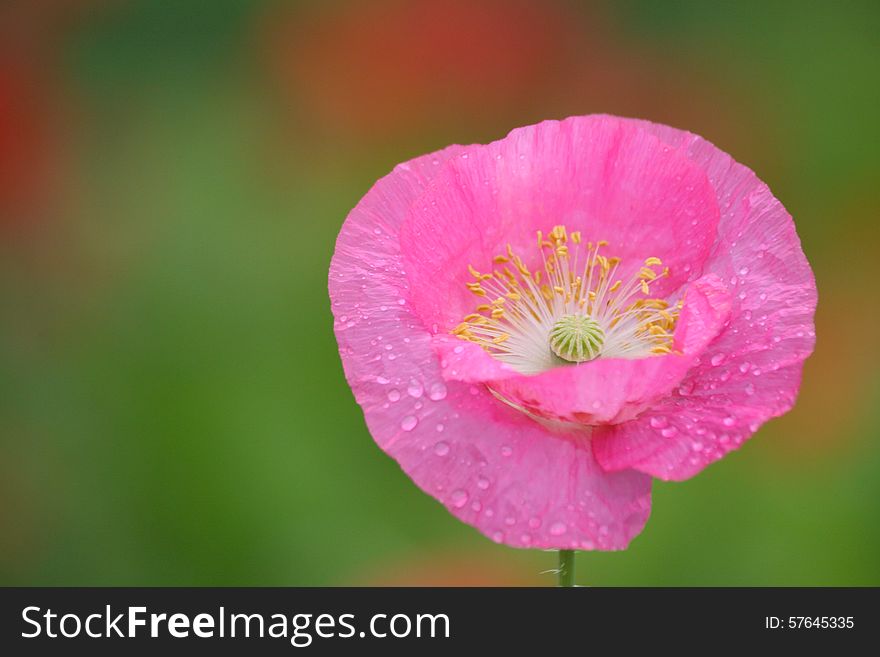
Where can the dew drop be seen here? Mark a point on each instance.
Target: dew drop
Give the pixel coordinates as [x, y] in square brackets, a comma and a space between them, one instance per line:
[659, 421]
[744, 367]
[458, 498]
[437, 391]
[482, 483]
[728, 421]
[381, 380]
[441, 449]
[414, 389]
[440, 427]
[558, 529]
[393, 395]
[409, 423]
[717, 359]
[506, 450]
[534, 522]
[669, 432]
[750, 388]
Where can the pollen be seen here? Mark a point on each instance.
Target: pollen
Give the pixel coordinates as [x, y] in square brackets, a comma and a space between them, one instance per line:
[575, 304]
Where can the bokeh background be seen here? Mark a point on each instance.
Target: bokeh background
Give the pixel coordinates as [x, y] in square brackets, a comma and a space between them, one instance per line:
[173, 174]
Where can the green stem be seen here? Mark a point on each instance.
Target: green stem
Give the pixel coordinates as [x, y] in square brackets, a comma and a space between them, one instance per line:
[566, 568]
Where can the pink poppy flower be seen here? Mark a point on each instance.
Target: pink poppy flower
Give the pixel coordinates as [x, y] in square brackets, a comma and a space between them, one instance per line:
[538, 326]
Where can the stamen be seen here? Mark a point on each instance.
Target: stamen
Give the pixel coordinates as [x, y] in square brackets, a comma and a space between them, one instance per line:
[573, 307]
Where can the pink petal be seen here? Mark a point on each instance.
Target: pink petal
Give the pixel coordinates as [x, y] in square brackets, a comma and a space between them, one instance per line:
[614, 390]
[751, 371]
[602, 175]
[491, 466]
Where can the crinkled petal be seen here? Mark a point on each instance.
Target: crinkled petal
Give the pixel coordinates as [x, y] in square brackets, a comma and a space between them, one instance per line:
[751, 371]
[615, 390]
[491, 466]
[604, 176]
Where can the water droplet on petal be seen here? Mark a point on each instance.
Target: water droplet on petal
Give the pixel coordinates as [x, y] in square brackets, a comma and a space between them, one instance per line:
[534, 522]
[415, 389]
[393, 395]
[437, 391]
[558, 529]
[409, 423]
[717, 359]
[440, 427]
[728, 421]
[458, 498]
[441, 449]
[659, 421]
[750, 389]
[482, 483]
[506, 450]
[669, 432]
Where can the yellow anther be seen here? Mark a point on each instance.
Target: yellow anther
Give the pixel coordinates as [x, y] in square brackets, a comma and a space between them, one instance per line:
[567, 284]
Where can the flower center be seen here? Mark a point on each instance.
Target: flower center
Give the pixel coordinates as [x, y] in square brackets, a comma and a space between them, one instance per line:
[576, 338]
[575, 303]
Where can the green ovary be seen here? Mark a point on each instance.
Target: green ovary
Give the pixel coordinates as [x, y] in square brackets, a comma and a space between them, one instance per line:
[576, 338]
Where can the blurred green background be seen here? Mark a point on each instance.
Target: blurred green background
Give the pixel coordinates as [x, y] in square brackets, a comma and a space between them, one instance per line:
[172, 178]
